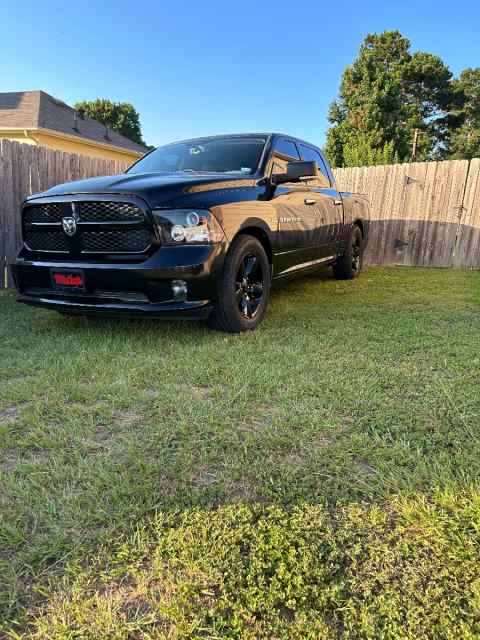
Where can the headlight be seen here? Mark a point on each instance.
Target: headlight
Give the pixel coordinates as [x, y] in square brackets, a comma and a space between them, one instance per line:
[187, 226]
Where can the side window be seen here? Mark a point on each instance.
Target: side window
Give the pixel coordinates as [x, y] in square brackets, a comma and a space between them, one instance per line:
[312, 154]
[286, 148]
[283, 152]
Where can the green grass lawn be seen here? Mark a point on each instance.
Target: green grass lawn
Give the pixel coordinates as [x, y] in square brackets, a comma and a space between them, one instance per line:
[318, 478]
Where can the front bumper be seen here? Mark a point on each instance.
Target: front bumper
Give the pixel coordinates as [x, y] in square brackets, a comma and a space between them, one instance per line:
[127, 288]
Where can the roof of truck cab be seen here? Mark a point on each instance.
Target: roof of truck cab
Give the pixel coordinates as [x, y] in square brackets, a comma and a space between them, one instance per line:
[268, 134]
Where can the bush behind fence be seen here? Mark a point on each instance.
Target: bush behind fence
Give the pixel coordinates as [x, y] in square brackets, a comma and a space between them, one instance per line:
[423, 214]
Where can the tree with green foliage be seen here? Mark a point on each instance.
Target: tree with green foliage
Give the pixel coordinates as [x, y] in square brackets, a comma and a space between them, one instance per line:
[465, 137]
[388, 97]
[119, 116]
[363, 152]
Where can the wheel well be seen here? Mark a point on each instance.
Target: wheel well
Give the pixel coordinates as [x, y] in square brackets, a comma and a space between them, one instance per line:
[261, 236]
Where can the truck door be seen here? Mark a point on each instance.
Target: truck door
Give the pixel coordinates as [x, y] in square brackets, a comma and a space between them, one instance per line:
[298, 222]
[327, 203]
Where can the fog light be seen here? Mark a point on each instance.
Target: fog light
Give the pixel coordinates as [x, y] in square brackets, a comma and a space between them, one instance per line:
[179, 289]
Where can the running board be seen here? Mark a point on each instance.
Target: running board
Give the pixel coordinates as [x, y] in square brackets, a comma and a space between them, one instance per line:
[305, 265]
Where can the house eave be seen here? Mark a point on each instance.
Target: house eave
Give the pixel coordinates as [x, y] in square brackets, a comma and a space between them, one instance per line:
[32, 131]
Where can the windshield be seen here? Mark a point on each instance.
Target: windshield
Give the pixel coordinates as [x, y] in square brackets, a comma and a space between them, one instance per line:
[219, 155]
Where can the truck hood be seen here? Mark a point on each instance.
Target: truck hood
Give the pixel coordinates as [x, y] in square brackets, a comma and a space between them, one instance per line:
[157, 189]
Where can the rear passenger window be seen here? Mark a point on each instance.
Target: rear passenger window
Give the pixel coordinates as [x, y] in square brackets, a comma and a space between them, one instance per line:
[312, 154]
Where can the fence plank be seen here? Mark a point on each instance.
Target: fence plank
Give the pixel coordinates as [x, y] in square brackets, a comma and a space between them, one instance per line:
[3, 214]
[7, 203]
[467, 249]
[409, 245]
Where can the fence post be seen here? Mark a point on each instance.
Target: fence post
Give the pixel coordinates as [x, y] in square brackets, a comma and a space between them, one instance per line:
[6, 204]
[3, 218]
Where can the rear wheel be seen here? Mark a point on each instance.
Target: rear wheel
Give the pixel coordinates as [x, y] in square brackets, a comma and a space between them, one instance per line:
[349, 264]
[243, 287]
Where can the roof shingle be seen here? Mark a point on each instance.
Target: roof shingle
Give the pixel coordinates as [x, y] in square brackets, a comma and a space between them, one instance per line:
[24, 109]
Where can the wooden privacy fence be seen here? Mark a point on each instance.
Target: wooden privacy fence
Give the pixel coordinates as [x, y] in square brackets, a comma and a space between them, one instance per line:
[26, 169]
[422, 214]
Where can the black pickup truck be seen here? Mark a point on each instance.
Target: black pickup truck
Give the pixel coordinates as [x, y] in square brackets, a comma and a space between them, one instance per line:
[197, 229]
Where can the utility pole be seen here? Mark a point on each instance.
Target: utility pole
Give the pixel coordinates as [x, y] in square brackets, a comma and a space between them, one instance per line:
[414, 145]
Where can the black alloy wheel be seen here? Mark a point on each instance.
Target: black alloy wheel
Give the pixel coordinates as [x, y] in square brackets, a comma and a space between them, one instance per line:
[243, 287]
[249, 285]
[357, 242]
[349, 263]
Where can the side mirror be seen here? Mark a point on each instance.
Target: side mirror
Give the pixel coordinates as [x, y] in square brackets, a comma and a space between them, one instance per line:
[297, 171]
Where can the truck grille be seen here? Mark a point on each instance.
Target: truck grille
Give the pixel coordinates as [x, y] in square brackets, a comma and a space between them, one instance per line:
[47, 241]
[101, 227]
[136, 240]
[44, 213]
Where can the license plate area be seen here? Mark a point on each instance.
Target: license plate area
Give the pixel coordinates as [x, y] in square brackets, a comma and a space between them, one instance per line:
[68, 279]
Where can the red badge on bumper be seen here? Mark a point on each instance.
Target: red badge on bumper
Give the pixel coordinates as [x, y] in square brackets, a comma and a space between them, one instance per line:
[68, 280]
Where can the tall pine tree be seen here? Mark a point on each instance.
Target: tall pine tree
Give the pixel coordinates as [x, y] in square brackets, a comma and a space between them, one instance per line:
[465, 137]
[388, 97]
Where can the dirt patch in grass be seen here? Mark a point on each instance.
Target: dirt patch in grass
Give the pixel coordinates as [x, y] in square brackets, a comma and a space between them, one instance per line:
[106, 431]
[321, 441]
[135, 607]
[202, 392]
[8, 464]
[11, 414]
[205, 479]
[365, 467]
[127, 418]
[262, 417]
[86, 407]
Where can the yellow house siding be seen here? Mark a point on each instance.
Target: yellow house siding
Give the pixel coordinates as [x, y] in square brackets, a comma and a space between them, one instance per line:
[85, 148]
[70, 144]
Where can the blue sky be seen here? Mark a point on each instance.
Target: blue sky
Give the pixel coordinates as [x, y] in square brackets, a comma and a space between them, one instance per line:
[206, 67]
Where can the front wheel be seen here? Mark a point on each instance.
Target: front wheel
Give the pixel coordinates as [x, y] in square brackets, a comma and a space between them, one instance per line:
[349, 264]
[243, 287]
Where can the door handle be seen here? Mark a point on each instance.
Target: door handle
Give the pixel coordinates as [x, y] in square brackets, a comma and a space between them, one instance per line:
[310, 201]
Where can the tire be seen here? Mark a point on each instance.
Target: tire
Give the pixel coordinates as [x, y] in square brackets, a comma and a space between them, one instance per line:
[243, 287]
[349, 264]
